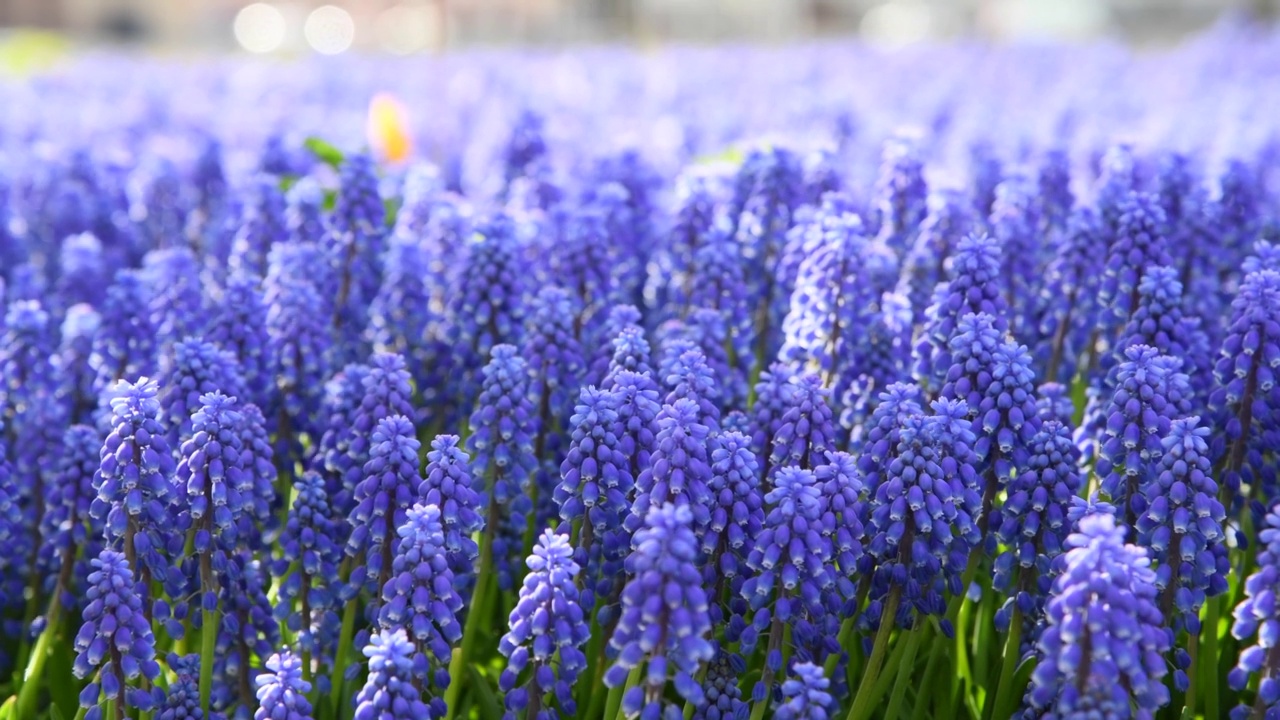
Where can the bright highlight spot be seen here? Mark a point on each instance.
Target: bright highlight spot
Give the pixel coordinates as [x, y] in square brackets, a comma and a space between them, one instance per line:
[259, 28]
[404, 29]
[388, 128]
[329, 30]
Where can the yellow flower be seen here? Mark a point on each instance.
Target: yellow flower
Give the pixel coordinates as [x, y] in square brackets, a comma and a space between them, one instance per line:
[389, 129]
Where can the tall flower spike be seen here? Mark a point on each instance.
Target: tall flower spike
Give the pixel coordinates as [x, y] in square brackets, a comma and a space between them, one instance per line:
[1182, 527]
[1138, 244]
[595, 478]
[211, 474]
[389, 692]
[300, 339]
[383, 498]
[420, 597]
[176, 302]
[84, 273]
[1006, 422]
[792, 570]
[1159, 321]
[663, 599]
[900, 192]
[182, 697]
[556, 364]
[400, 314]
[67, 531]
[805, 695]
[630, 353]
[191, 369]
[835, 298]
[1068, 303]
[721, 286]
[679, 470]
[304, 213]
[239, 326]
[308, 598]
[773, 397]
[1053, 181]
[690, 378]
[282, 693]
[1257, 614]
[1246, 375]
[1145, 403]
[619, 319]
[973, 347]
[737, 516]
[1033, 523]
[124, 346]
[898, 402]
[638, 407]
[547, 630]
[883, 357]
[923, 265]
[922, 518]
[262, 224]
[501, 444]
[721, 696]
[74, 369]
[762, 212]
[447, 483]
[1084, 671]
[487, 308]
[343, 394]
[248, 629]
[985, 171]
[585, 260]
[258, 486]
[135, 494]
[1054, 402]
[387, 391]
[1016, 227]
[114, 646]
[974, 287]
[844, 508]
[807, 431]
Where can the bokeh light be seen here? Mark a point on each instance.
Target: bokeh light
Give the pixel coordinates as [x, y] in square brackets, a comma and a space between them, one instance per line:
[329, 30]
[260, 28]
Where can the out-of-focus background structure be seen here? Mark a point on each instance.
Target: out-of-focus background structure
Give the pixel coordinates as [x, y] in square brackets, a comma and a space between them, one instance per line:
[406, 26]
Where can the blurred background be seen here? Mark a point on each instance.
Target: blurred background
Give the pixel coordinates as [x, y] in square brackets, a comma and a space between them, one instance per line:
[408, 26]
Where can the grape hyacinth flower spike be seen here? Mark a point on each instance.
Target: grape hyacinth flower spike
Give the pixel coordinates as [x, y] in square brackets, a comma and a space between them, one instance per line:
[114, 646]
[547, 633]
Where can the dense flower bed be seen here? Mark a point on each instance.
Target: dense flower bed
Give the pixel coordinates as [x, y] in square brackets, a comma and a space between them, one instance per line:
[738, 383]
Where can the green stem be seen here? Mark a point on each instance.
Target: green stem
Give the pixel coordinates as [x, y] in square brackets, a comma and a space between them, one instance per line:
[1193, 650]
[930, 669]
[842, 640]
[475, 618]
[613, 706]
[208, 643]
[905, 668]
[1211, 651]
[340, 655]
[862, 701]
[1005, 691]
[35, 666]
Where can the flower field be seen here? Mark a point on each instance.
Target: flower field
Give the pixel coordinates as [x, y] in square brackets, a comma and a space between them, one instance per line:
[827, 381]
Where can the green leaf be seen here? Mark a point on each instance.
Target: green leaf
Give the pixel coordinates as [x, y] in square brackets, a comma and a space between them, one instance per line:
[55, 713]
[489, 705]
[6, 710]
[63, 687]
[330, 199]
[324, 150]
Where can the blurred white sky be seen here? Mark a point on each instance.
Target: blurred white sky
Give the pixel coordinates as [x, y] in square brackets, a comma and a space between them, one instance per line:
[414, 25]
